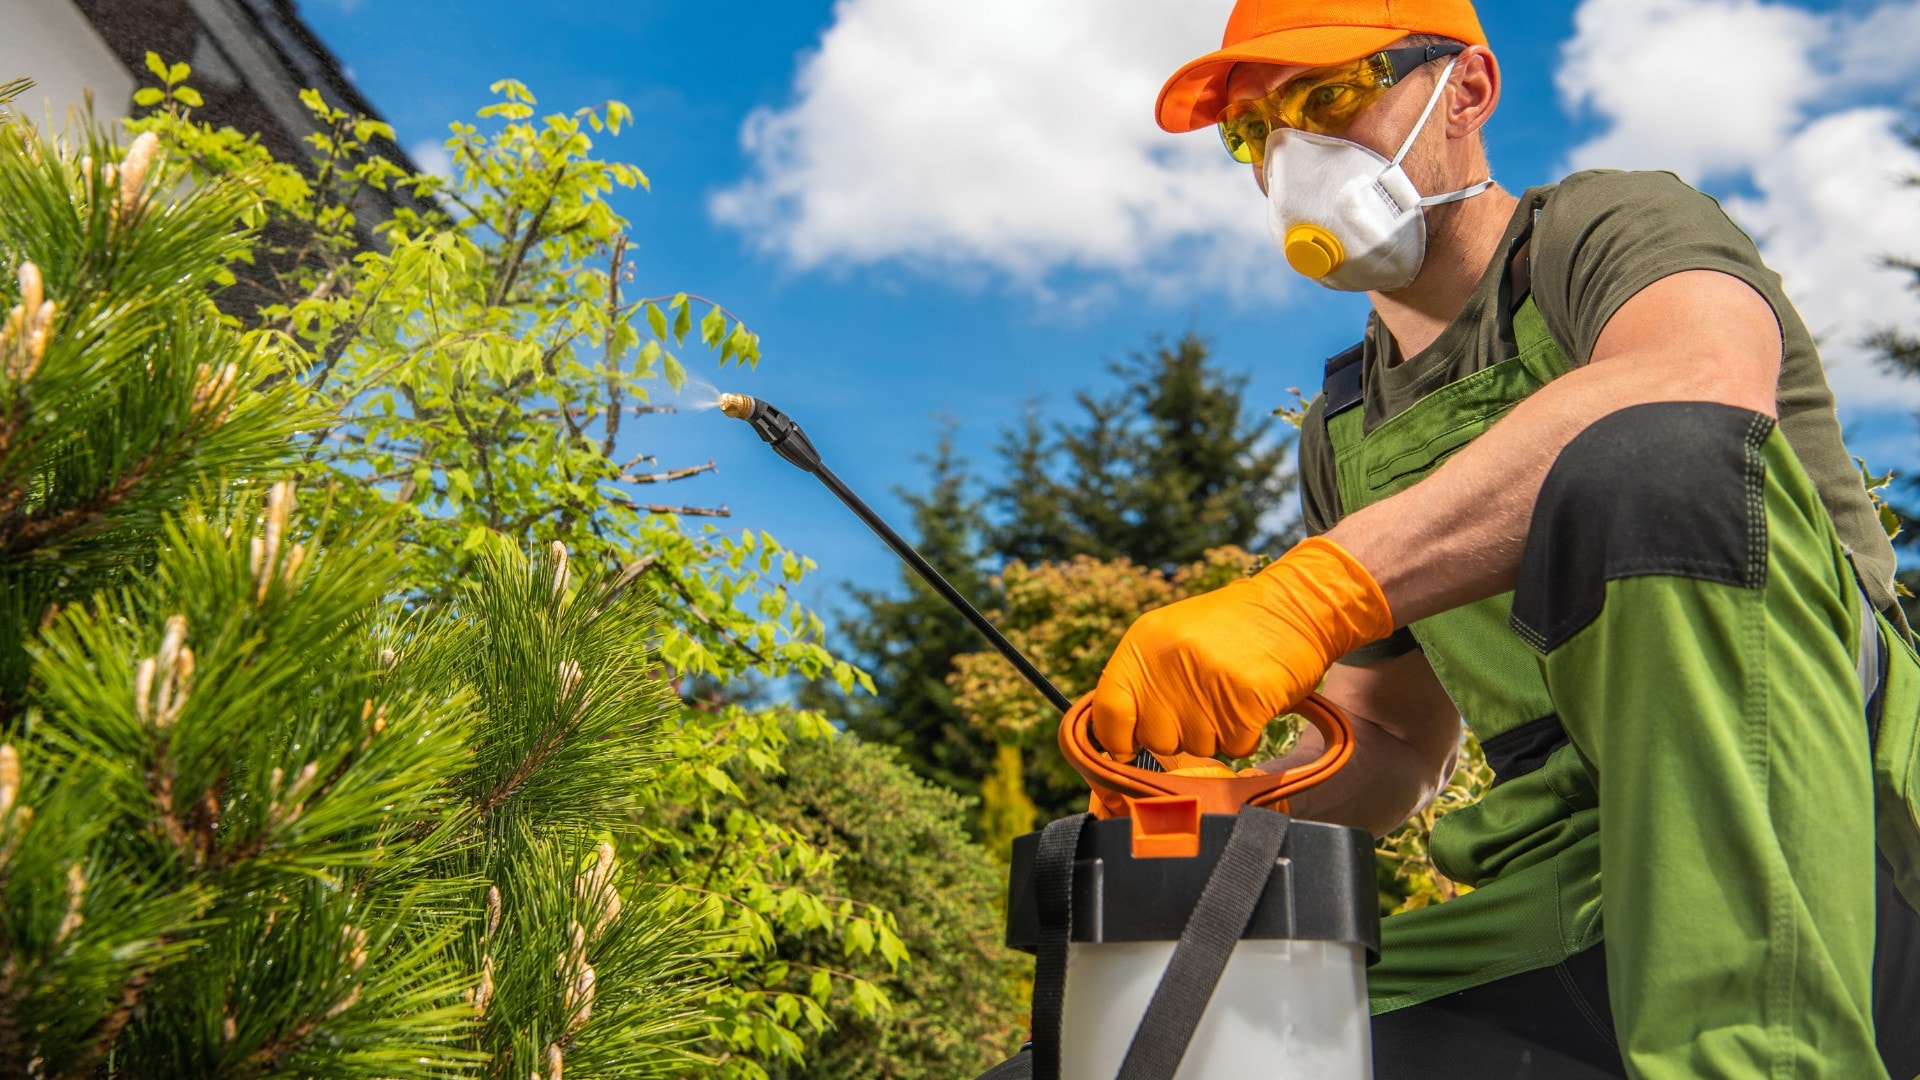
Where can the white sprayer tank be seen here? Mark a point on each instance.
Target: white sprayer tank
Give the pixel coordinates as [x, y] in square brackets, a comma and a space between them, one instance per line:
[1284, 1010]
[1292, 1001]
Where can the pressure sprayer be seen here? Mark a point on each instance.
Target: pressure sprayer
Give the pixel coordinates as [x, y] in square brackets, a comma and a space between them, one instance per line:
[1206, 935]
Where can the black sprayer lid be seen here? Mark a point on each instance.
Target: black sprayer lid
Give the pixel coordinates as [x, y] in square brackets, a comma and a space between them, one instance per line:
[1322, 888]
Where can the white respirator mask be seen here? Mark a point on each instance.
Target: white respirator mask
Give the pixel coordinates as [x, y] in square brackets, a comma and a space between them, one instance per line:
[1347, 217]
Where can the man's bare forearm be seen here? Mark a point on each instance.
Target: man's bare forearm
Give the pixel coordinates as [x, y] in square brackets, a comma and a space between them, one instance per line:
[1456, 536]
[1406, 733]
[1387, 781]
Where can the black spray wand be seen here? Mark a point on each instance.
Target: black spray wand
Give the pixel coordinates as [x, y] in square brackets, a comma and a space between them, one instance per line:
[779, 431]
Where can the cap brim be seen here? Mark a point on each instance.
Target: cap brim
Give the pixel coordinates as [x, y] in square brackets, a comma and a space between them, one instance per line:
[1195, 95]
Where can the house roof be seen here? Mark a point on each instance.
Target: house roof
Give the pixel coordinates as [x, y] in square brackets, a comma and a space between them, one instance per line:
[250, 59]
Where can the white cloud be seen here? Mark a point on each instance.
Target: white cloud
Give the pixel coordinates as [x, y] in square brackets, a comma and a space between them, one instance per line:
[1828, 208]
[432, 157]
[1689, 85]
[1005, 135]
[1764, 100]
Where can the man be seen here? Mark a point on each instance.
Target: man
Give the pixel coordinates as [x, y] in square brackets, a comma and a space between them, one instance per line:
[1582, 484]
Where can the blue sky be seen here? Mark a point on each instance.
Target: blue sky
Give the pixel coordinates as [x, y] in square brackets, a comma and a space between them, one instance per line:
[930, 209]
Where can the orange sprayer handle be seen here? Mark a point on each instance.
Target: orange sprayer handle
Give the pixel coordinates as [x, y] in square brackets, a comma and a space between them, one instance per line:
[1217, 794]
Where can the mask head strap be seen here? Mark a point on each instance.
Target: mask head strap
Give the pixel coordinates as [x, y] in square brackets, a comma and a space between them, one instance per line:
[1451, 196]
[1438, 87]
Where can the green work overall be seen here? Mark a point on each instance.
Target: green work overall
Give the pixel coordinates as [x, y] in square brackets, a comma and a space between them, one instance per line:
[1701, 695]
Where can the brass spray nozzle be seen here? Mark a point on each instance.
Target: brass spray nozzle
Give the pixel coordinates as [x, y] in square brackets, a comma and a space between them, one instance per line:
[775, 429]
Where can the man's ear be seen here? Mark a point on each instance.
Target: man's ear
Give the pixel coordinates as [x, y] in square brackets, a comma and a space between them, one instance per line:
[1476, 92]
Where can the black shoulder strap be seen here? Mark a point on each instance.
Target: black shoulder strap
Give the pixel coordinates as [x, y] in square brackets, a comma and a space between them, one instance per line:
[1227, 901]
[1053, 894]
[1341, 389]
[1520, 265]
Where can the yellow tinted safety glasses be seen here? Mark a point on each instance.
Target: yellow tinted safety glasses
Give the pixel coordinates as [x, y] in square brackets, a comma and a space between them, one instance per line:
[1322, 100]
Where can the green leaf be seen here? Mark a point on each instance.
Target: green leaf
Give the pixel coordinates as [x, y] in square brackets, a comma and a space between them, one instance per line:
[719, 781]
[365, 129]
[188, 96]
[683, 320]
[657, 320]
[859, 937]
[178, 72]
[676, 373]
[148, 96]
[156, 65]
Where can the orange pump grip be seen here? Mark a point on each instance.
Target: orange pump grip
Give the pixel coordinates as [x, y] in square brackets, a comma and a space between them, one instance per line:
[1216, 795]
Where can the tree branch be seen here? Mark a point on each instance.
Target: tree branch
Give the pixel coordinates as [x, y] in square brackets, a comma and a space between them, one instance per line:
[684, 511]
[525, 242]
[608, 359]
[666, 477]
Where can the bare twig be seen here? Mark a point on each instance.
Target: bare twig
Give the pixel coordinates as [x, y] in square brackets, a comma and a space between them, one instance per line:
[684, 511]
[611, 361]
[666, 477]
[690, 296]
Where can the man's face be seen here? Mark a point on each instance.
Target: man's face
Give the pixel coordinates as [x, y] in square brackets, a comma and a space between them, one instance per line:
[1380, 127]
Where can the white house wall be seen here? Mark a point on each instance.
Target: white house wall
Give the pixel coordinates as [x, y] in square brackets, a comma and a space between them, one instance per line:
[50, 42]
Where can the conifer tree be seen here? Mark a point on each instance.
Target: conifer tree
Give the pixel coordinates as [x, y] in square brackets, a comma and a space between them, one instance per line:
[902, 843]
[253, 820]
[1160, 471]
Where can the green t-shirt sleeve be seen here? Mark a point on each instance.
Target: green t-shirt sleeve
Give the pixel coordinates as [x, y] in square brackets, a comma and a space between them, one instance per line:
[1605, 235]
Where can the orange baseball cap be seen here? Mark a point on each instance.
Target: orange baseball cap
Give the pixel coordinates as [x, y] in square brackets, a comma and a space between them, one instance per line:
[1312, 33]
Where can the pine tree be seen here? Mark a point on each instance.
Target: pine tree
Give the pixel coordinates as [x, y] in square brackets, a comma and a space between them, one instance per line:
[1159, 472]
[254, 819]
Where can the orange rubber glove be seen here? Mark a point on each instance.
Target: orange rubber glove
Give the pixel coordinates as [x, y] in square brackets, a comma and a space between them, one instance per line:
[1206, 674]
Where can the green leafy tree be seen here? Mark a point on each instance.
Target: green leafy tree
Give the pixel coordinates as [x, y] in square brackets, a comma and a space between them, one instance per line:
[486, 365]
[254, 820]
[901, 842]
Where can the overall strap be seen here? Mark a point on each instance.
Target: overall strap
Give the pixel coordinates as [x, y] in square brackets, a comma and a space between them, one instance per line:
[1530, 331]
[1342, 386]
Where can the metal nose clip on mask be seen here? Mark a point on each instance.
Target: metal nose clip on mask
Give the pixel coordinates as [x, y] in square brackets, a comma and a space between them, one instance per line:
[1347, 217]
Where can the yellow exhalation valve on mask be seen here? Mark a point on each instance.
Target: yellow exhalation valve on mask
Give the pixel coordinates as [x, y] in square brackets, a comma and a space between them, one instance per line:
[1313, 251]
